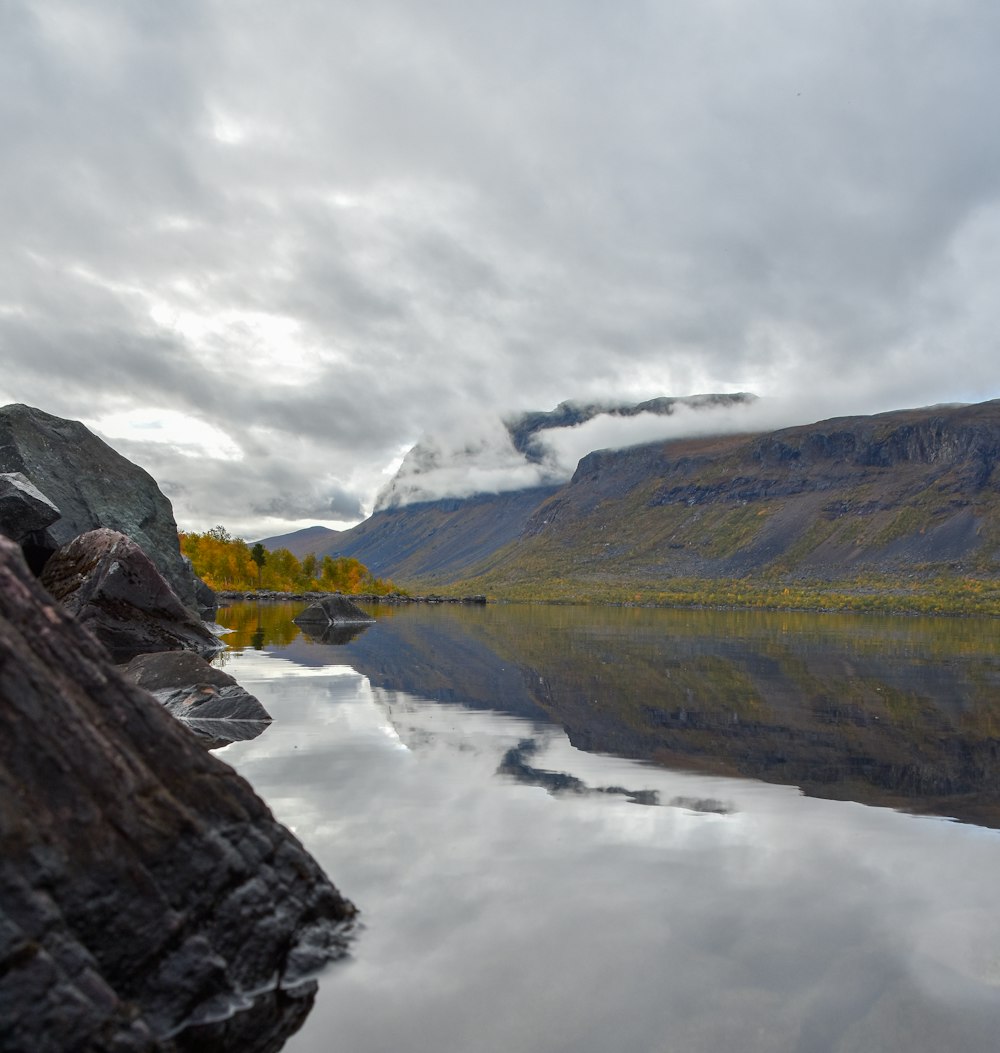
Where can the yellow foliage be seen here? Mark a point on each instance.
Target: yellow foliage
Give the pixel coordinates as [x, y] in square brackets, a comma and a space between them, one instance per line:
[224, 562]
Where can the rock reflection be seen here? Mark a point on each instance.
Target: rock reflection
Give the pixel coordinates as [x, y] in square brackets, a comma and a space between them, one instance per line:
[337, 635]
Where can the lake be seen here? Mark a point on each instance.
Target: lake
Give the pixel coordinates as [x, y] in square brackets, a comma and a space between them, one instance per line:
[591, 829]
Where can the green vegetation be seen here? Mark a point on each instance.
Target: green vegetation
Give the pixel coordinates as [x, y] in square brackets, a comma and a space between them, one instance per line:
[226, 562]
[878, 593]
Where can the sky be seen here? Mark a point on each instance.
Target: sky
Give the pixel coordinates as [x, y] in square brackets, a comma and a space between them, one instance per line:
[262, 249]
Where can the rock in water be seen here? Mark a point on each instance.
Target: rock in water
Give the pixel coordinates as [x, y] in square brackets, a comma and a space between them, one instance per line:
[333, 610]
[93, 486]
[206, 699]
[144, 886]
[107, 582]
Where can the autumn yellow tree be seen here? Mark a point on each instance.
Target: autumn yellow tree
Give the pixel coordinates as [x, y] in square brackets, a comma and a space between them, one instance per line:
[227, 562]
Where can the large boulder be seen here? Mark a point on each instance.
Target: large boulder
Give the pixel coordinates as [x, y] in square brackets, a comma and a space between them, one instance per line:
[144, 887]
[92, 486]
[207, 699]
[106, 581]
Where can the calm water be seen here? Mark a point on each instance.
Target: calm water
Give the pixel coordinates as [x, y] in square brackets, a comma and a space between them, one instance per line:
[575, 829]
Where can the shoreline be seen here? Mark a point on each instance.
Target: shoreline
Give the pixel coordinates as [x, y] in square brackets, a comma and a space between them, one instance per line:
[392, 599]
[926, 605]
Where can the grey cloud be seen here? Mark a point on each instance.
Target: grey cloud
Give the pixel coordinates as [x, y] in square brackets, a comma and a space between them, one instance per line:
[334, 503]
[243, 494]
[474, 208]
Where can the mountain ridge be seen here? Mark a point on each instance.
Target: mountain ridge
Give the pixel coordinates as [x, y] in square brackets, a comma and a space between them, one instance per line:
[907, 493]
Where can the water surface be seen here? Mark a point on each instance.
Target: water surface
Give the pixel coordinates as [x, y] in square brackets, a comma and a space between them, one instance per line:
[546, 818]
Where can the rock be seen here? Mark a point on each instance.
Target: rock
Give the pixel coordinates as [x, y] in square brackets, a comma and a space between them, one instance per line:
[144, 887]
[93, 486]
[107, 582]
[205, 698]
[205, 599]
[332, 610]
[24, 509]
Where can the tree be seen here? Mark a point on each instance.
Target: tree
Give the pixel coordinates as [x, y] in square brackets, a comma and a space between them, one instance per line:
[310, 568]
[259, 555]
[227, 562]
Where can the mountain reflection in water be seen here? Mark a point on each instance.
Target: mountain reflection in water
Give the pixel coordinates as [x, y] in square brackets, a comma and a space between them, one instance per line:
[464, 776]
[902, 712]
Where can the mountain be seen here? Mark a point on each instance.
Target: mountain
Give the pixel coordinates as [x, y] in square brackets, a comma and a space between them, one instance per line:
[906, 493]
[438, 542]
[301, 542]
[519, 452]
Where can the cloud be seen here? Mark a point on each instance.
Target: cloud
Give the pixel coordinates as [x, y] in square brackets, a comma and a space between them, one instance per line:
[327, 231]
[333, 502]
[469, 457]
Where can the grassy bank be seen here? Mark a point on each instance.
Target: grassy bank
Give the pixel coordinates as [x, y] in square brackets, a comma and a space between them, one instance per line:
[914, 593]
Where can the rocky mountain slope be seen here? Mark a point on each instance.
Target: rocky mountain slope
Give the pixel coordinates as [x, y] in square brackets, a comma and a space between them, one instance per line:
[912, 491]
[439, 541]
[894, 491]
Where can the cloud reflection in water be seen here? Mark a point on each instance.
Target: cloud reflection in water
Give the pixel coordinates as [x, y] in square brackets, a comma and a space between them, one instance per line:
[498, 916]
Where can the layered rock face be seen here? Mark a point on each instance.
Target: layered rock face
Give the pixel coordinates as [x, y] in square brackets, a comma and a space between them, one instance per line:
[92, 486]
[872, 494]
[144, 887]
[879, 494]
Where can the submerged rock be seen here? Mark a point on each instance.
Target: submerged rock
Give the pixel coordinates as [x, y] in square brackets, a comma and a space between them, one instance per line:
[144, 887]
[107, 582]
[93, 486]
[206, 699]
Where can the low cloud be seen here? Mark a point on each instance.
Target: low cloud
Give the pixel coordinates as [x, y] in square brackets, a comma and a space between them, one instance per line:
[482, 459]
[470, 457]
[352, 224]
[333, 502]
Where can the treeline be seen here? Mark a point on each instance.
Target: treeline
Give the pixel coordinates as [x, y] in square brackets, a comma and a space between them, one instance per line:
[226, 562]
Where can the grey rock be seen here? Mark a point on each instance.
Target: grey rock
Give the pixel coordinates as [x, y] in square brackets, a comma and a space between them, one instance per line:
[204, 598]
[216, 732]
[24, 509]
[334, 610]
[93, 486]
[144, 887]
[107, 582]
[208, 700]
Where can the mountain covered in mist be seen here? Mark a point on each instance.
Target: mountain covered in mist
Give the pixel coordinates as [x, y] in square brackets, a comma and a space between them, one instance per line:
[535, 449]
[911, 492]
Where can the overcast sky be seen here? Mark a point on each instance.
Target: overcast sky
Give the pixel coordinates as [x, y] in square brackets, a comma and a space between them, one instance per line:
[262, 248]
